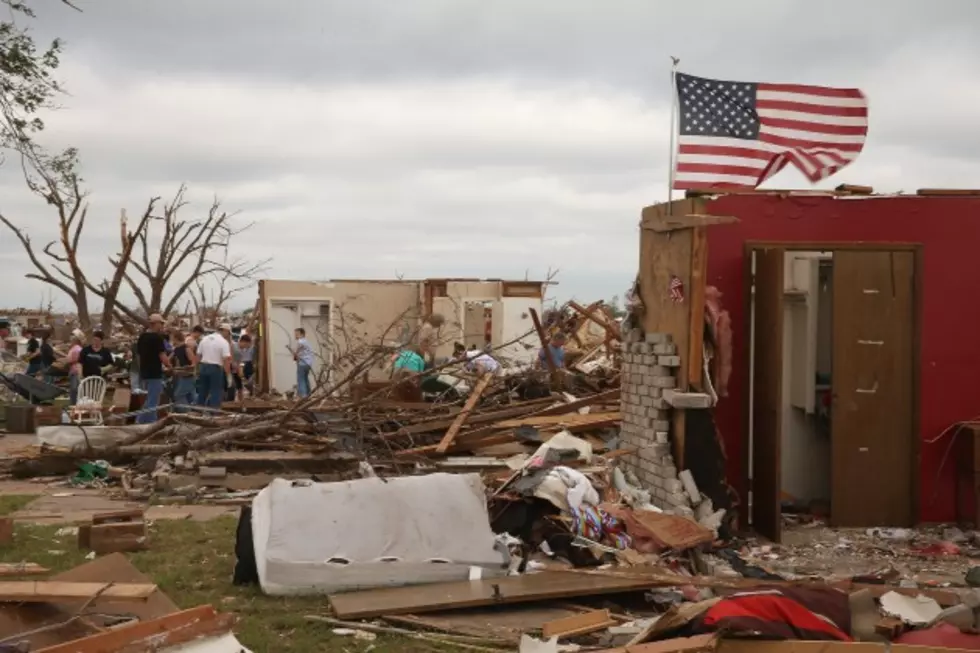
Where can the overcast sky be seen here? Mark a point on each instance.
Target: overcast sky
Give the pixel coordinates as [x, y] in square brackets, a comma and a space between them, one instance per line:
[369, 138]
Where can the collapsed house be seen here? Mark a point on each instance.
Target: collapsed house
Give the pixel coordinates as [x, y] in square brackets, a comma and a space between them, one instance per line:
[342, 315]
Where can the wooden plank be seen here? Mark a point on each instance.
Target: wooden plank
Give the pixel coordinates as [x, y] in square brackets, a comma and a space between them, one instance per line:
[468, 407]
[22, 569]
[45, 591]
[165, 632]
[548, 359]
[592, 419]
[674, 222]
[580, 624]
[527, 407]
[478, 593]
[589, 313]
[767, 394]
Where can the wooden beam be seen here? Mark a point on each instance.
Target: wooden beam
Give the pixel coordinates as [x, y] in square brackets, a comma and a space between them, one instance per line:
[22, 569]
[548, 359]
[666, 223]
[588, 313]
[481, 418]
[593, 419]
[579, 624]
[49, 591]
[468, 407]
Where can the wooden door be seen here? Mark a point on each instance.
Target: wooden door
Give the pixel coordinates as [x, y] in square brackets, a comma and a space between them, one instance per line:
[767, 398]
[873, 391]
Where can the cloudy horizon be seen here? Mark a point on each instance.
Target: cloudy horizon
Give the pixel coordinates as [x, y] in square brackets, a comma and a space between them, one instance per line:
[457, 138]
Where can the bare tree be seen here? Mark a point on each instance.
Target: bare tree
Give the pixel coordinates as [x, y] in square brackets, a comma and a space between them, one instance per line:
[168, 266]
[212, 293]
[56, 181]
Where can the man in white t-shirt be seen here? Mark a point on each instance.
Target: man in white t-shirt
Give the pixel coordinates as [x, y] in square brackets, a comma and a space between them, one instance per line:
[478, 361]
[214, 355]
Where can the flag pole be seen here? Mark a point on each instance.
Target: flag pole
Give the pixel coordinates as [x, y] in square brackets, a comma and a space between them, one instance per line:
[673, 131]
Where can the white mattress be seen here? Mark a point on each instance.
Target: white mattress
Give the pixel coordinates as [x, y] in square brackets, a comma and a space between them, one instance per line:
[319, 538]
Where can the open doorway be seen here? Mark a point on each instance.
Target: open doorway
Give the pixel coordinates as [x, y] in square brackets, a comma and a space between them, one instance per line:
[477, 324]
[833, 374]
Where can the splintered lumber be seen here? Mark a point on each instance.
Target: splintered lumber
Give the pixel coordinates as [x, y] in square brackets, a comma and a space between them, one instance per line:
[589, 314]
[478, 593]
[468, 407]
[548, 359]
[571, 422]
[22, 569]
[51, 591]
[573, 406]
[429, 426]
[159, 634]
[579, 624]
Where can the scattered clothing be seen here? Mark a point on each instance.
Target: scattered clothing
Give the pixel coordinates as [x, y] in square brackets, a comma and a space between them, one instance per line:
[597, 525]
[477, 359]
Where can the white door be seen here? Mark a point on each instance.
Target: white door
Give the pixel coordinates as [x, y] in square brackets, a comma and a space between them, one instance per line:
[283, 319]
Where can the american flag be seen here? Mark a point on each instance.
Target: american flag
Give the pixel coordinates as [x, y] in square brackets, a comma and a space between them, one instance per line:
[738, 134]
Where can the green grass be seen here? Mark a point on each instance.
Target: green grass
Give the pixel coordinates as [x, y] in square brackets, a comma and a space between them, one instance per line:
[11, 503]
[192, 562]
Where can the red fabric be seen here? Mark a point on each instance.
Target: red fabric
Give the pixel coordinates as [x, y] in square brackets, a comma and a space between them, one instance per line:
[771, 615]
[721, 326]
[941, 636]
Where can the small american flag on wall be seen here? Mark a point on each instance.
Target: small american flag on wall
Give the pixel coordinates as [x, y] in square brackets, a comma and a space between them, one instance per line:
[738, 134]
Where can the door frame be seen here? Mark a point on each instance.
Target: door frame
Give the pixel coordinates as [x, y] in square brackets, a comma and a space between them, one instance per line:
[748, 248]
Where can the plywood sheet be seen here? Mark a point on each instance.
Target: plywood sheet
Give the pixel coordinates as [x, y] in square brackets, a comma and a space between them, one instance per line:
[471, 594]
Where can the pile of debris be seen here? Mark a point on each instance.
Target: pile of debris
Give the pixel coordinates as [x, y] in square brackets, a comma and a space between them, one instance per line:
[103, 605]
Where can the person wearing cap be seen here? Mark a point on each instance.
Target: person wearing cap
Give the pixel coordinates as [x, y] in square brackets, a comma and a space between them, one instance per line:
[151, 351]
[214, 370]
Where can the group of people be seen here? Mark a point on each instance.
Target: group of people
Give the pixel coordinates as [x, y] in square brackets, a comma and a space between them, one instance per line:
[206, 369]
[413, 360]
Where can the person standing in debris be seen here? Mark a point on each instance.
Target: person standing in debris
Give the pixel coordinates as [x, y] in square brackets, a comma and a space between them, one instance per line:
[151, 352]
[429, 337]
[33, 354]
[303, 355]
[557, 350]
[248, 356]
[74, 366]
[214, 370]
[235, 387]
[407, 363]
[184, 359]
[48, 357]
[96, 359]
[477, 361]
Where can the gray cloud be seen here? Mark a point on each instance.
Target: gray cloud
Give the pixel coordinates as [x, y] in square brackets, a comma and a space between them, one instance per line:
[456, 137]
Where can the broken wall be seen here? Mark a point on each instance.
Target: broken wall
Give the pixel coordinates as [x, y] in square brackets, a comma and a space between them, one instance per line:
[361, 313]
[950, 351]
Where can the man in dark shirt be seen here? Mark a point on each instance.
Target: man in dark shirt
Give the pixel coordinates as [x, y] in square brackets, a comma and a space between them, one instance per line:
[152, 353]
[48, 357]
[95, 358]
[33, 354]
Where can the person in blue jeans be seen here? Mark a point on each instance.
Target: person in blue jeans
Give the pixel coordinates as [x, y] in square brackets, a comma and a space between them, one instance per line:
[153, 360]
[184, 358]
[303, 355]
[214, 355]
[33, 354]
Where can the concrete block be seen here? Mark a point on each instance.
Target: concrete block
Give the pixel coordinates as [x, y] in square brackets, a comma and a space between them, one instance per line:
[679, 399]
[704, 509]
[661, 425]
[660, 403]
[664, 349]
[684, 511]
[713, 521]
[657, 338]
[673, 485]
[669, 361]
[669, 471]
[654, 391]
[661, 437]
[687, 479]
[677, 498]
[660, 370]
[664, 382]
[644, 348]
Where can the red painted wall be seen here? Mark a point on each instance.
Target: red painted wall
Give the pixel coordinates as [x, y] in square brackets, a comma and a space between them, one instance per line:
[949, 230]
